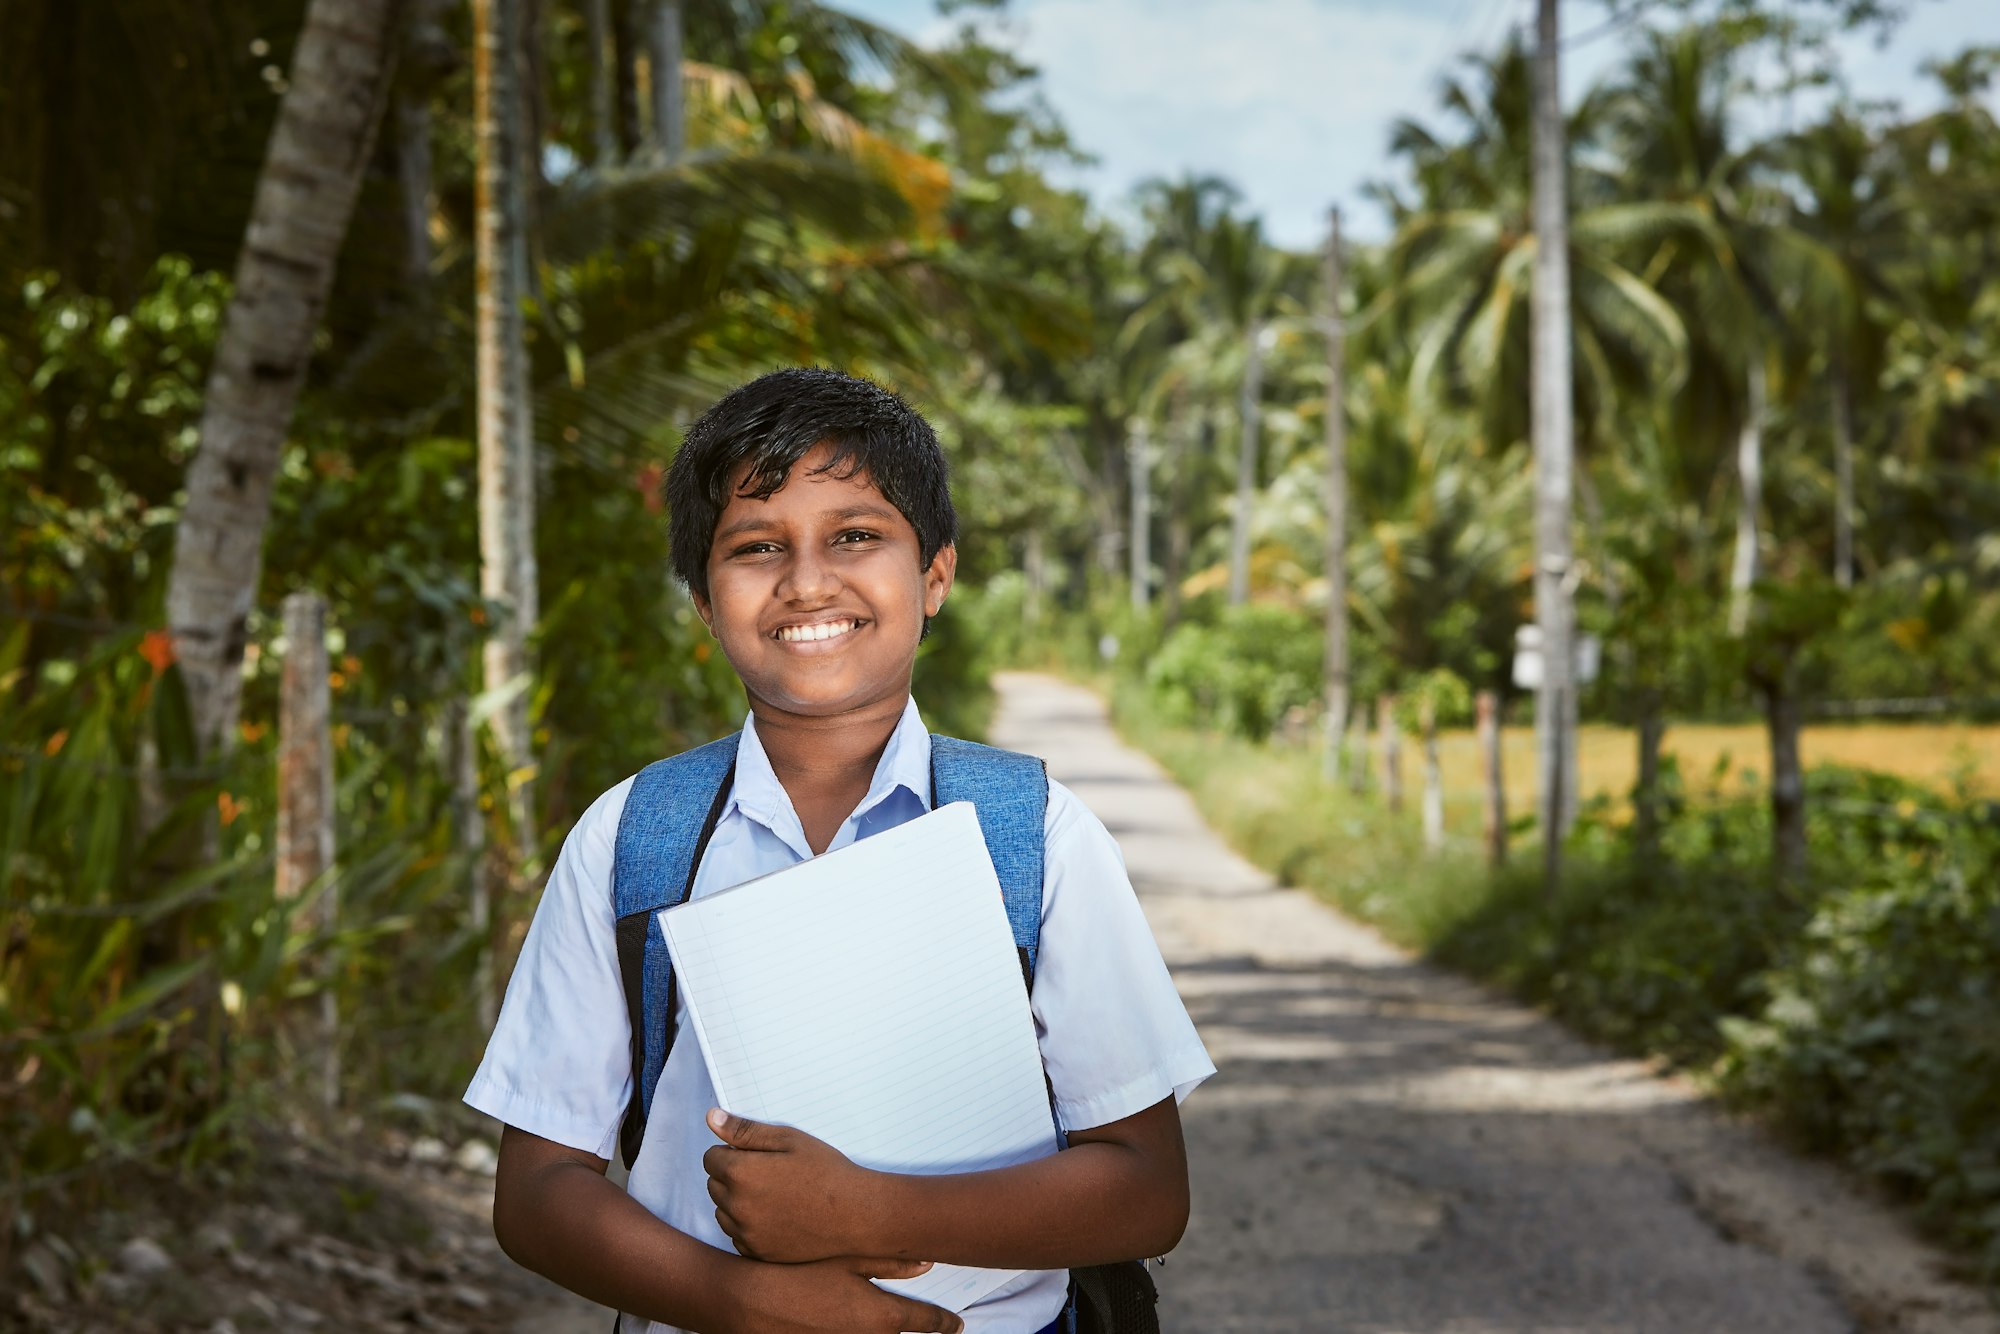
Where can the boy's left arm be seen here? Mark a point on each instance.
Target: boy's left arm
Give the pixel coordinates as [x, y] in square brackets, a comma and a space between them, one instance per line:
[1118, 1192]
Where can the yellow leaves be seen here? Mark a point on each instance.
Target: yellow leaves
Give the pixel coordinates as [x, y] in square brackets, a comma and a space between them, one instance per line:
[1911, 634]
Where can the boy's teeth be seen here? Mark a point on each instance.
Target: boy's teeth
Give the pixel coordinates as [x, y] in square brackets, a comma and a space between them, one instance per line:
[826, 630]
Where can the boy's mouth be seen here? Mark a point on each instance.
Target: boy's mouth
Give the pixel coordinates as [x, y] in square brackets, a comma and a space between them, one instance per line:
[802, 634]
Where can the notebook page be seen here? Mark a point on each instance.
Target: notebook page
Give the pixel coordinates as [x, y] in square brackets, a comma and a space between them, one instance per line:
[872, 997]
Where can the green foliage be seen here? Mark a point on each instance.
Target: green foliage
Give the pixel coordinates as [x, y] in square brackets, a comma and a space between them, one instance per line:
[1239, 674]
[1878, 1039]
[1856, 1009]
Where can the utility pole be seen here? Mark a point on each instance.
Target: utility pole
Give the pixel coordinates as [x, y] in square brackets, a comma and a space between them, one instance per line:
[1554, 445]
[1249, 408]
[1336, 509]
[1139, 462]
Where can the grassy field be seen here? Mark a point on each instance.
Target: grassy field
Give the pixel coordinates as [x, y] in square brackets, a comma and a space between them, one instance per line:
[1938, 754]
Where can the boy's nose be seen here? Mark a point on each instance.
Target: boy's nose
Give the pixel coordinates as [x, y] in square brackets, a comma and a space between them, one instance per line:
[809, 577]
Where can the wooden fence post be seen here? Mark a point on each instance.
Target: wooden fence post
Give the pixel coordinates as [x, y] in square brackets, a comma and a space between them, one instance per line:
[468, 831]
[1433, 781]
[1357, 772]
[305, 849]
[1496, 794]
[1392, 751]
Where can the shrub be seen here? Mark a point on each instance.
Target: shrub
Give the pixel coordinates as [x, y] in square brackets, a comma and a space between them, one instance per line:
[1239, 674]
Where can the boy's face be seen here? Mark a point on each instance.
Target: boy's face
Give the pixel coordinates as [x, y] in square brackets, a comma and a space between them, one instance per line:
[816, 593]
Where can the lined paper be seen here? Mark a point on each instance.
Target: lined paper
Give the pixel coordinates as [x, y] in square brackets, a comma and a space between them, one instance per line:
[872, 997]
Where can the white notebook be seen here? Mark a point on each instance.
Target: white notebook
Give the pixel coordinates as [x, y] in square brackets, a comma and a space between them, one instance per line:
[872, 997]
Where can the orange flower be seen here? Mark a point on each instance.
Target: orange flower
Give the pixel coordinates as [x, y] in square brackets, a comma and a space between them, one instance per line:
[55, 743]
[648, 479]
[157, 648]
[701, 651]
[228, 807]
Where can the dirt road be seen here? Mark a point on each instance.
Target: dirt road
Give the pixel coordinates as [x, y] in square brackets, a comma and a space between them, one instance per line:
[1390, 1148]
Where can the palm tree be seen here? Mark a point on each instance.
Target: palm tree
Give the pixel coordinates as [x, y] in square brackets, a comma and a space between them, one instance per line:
[1846, 199]
[305, 194]
[1735, 270]
[1212, 282]
[1463, 255]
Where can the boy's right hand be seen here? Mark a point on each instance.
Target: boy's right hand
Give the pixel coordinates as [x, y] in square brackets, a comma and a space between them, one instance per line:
[835, 1295]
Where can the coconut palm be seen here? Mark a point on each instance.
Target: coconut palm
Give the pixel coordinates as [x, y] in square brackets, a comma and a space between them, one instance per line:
[1463, 255]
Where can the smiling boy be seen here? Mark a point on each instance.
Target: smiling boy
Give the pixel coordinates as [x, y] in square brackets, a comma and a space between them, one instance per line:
[812, 522]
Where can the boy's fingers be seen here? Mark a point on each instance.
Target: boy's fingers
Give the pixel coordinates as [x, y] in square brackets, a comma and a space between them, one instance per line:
[743, 1133]
[923, 1318]
[869, 1267]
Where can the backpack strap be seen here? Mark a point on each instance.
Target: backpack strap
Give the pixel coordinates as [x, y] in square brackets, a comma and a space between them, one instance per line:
[669, 815]
[1010, 792]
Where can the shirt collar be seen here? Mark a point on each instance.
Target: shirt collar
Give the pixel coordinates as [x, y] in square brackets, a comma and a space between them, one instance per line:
[905, 766]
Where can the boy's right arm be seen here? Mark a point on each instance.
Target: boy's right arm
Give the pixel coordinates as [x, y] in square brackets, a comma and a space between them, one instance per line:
[556, 1213]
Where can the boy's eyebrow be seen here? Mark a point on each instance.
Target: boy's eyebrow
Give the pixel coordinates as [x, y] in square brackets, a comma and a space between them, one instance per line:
[756, 523]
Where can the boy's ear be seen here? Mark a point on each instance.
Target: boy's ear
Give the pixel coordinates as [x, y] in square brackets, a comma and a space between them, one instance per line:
[703, 610]
[938, 577]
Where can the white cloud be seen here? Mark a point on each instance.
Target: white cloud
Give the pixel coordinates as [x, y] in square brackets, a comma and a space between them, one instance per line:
[1291, 99]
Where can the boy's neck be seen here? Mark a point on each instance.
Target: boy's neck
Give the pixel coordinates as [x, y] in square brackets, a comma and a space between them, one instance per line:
[826, 764]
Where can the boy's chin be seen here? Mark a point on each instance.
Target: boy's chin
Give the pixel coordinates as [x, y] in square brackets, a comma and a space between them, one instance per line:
[805, 701]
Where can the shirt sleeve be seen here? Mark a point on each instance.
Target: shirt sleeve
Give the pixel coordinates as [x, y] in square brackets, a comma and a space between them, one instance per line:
[1115, 1037]
[559, 1063]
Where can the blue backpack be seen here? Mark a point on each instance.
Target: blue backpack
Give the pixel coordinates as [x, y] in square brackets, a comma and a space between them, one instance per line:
[670, 815]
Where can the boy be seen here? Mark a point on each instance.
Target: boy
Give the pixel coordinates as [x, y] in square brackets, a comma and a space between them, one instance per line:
[811, 520]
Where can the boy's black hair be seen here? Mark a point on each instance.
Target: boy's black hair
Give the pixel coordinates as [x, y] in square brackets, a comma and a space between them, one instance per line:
[774, 421]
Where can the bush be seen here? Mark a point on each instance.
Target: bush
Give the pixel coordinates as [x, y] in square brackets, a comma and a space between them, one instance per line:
[1240, 674]
[1861, 1008]
[1880, 1040]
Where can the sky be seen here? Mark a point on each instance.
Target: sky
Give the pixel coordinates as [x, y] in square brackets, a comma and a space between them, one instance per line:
[1292, 100]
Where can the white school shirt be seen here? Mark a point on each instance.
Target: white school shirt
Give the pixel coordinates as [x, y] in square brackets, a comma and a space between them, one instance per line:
[1114, 1036]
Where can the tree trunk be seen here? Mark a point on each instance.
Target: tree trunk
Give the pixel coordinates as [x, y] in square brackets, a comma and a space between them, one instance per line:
[312, 172]
[1178, 536]
[603, 129]
[506, 460]
[1392, 752]
[1139, 462]
[1336, 509]
[1249, 411]
[665, 43]
[1433, 782]
[1496, 792]
[625, 43]
[1554, 445]
[1750, 473]
[1652, 729]
[427, 58]
[1788, 788]
[1843, 478]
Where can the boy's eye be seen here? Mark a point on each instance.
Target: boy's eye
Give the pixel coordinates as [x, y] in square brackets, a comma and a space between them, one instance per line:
[754, 549]
[856, 535]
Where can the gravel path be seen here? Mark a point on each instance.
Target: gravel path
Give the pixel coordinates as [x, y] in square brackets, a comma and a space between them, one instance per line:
[1391, 1148]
